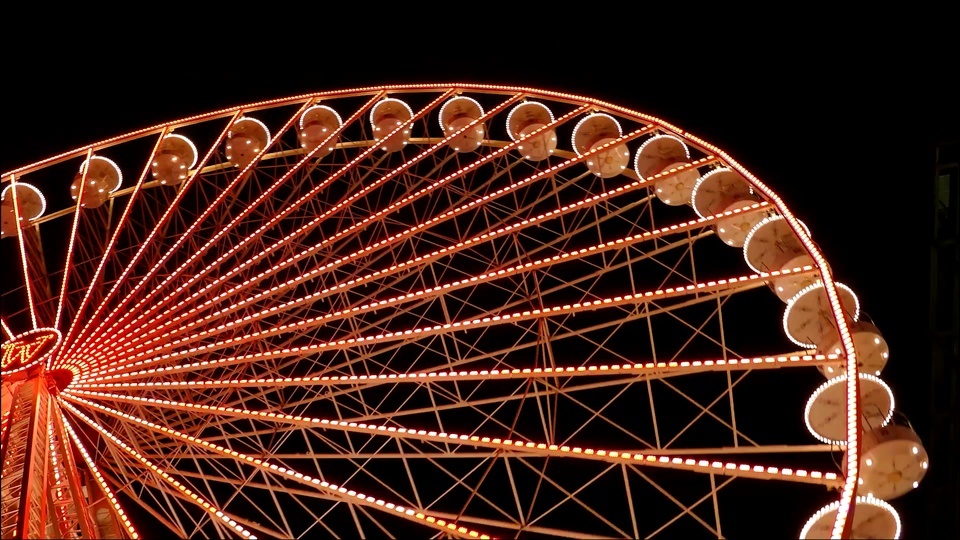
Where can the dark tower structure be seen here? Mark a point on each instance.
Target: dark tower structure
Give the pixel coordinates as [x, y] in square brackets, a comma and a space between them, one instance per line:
[944, 436]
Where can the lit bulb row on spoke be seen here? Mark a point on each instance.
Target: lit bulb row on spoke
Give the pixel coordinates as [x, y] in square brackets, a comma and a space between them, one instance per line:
[209, 508]
[174, 248]
[702, 465]
[344, 204]
[267, 466]
[78, 343]
[485, 374]
[396, 268]
[584, 203]
[587, 305]
[418, 295]
[237, 112]
[276, 218]
[91, 337]
[213, 240]
[4, 424]
[108, 493]
[58, 492]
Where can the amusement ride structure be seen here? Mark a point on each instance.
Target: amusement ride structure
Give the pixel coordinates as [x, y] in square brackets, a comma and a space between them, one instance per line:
[447, 310]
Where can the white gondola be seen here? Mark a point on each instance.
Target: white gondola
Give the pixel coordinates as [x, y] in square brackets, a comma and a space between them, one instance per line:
[245, 140]
[103, 178]
[387, 116]
[318, 124]
[872, 518]
[808, 319]
[30, 205]
[527, 118]
[597, 130]
[825, 411]
[725, 190]
[872, 349]
[893, 461]
[666, 155]
[462, 113]
[771, 245]
[175, 158]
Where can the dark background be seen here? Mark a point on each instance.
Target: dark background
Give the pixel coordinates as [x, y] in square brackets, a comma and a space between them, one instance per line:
[839, 115]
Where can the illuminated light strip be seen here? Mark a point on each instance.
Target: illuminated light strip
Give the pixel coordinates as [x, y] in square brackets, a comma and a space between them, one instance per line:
[841, 379]
[423, 259]
[641, 369]
[303, 276]
[670, 292]
[848, 494]
[104, 347]
[199, 501]
[73, 237]
[196, 223]
[23, 253]
[247, 210]
[71, 469]
[108, 493]
[332, 489]
[541, 449]
[71, 343]
[746, 241]
[209, 209]
[4, 426]
[109, 248]
[832, 507]
[55, 465]
[753, 280]
[424, 293]
[6, 329]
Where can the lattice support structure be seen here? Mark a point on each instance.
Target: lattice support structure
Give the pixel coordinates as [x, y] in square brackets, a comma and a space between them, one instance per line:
[24, 512]
[70, 516]
[944, 509]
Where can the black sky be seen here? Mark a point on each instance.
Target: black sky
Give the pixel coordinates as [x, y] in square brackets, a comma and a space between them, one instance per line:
[838, 117]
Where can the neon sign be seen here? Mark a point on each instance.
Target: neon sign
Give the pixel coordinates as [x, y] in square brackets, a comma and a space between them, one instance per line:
[28, 350]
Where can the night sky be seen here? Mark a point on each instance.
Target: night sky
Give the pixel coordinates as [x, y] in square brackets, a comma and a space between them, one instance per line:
[844, 131]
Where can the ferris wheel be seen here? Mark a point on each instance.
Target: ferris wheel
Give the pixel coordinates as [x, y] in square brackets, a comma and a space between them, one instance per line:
[445, 310]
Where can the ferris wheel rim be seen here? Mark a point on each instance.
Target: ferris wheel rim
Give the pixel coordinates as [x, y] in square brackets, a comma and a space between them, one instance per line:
[778, 204]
